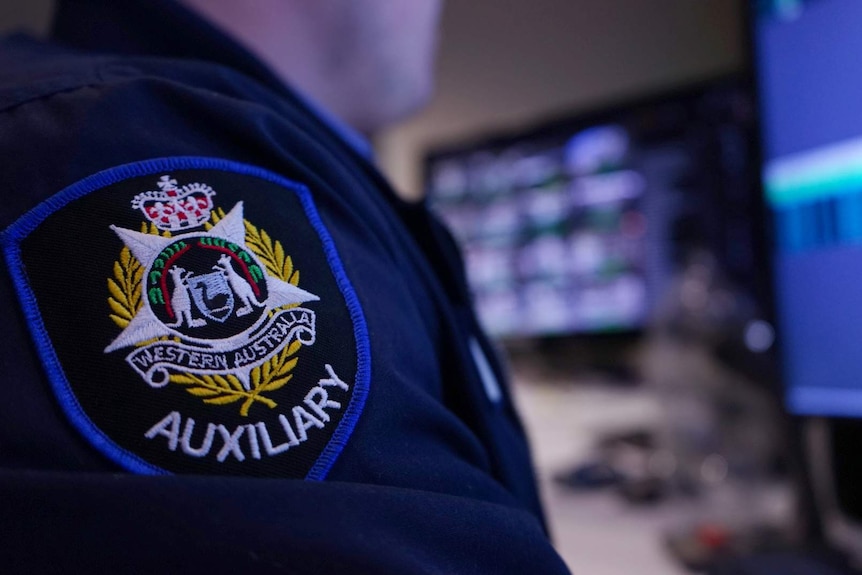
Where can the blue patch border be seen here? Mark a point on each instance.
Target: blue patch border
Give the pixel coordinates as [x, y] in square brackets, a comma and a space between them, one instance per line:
[11, 239]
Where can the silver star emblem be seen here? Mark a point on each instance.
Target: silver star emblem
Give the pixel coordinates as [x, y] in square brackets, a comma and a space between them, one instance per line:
[147, 247]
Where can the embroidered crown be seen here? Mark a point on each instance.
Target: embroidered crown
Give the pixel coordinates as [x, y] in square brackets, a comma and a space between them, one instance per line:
[172, 208]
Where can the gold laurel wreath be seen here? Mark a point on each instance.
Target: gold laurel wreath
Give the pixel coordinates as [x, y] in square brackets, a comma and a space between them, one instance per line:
[125, 287]
[125, 301]
[223, 390]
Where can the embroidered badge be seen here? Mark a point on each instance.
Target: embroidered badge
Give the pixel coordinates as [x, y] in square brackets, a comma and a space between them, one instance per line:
[205, 351]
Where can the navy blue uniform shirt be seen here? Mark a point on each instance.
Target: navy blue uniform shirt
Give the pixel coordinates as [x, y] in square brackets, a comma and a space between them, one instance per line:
[227, 344]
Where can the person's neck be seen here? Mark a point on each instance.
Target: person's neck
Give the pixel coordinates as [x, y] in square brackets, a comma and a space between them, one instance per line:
[292, 44]
[173, 29]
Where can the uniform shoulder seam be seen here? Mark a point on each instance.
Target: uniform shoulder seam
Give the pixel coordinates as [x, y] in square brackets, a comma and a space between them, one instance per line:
[46, 88]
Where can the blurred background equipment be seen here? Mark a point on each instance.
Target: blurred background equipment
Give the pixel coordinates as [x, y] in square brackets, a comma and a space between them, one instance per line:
[577, 226]
[633, 233]
[810, 86]
[808, 65]
[646, 218]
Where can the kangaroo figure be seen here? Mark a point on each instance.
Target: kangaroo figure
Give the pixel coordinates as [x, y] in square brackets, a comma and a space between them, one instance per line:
[239, 286]
[180, 300]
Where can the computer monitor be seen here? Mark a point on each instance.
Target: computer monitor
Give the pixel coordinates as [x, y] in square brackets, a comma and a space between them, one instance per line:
[808, 63]
[809, 68]
[577, 226]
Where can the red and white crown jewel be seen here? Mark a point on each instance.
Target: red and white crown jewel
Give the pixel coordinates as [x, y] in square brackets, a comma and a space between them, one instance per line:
[172, 208]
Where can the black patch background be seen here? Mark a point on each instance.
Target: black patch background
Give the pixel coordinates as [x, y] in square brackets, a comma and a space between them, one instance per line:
[68, 260]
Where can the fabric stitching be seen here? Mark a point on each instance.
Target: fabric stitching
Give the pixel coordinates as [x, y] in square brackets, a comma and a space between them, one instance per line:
[12, 237]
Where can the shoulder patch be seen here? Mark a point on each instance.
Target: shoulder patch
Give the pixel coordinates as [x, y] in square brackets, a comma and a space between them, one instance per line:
[193, 316]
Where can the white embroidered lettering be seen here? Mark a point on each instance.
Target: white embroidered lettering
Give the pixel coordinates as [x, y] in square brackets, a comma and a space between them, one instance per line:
[304, 421]
[143, 359]
[252, 440]
[221, 361]
[318, 400]
[206, 445]
[333, 379]
[288, 430]
[180, 355]
[231, 443]
[169, 427]
[314, 412]
[270, 449]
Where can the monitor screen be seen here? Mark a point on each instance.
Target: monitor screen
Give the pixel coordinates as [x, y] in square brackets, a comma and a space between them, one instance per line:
[809, 67]
[577, 226]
